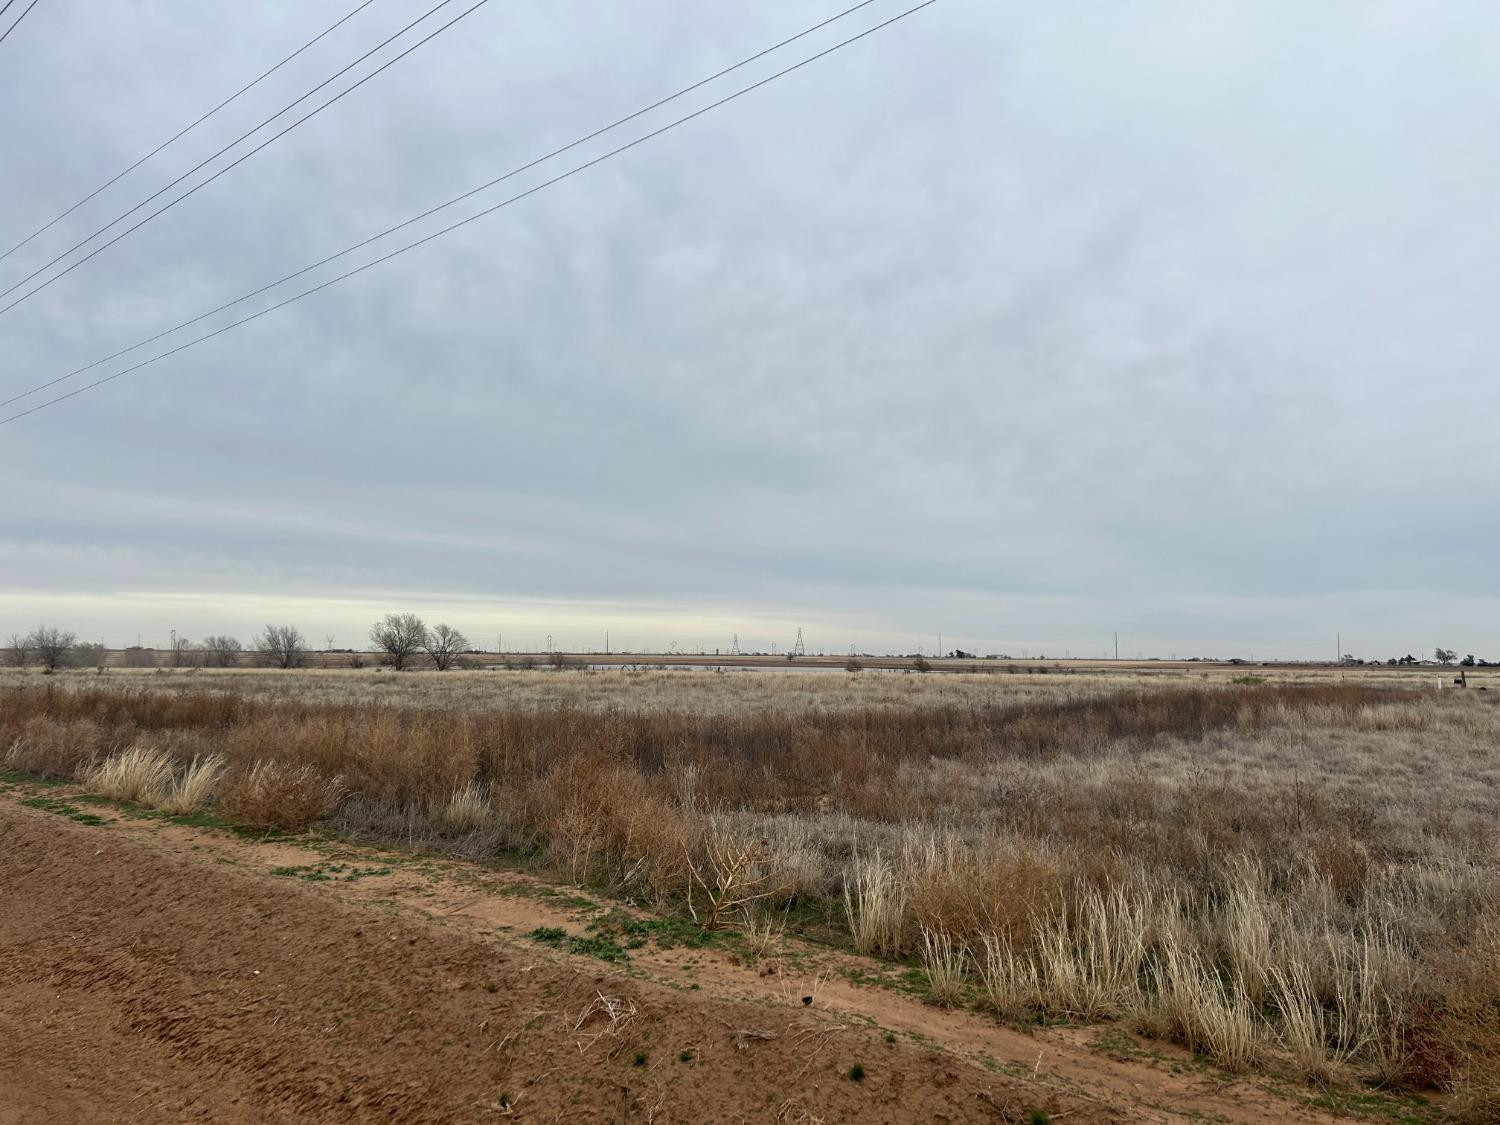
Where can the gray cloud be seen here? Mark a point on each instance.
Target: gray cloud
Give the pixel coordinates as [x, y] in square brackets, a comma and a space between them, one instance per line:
[1023, 324]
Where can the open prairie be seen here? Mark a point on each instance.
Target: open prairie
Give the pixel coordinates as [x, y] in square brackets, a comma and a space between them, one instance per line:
[1125, 894]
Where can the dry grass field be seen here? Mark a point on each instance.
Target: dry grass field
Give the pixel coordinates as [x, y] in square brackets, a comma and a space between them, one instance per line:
[1293, 872]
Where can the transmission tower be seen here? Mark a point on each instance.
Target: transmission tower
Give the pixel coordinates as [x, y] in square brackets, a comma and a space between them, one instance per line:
[798, 649]
[734, 648]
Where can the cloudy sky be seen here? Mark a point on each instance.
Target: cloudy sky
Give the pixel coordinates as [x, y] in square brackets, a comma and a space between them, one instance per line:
[1020, 323]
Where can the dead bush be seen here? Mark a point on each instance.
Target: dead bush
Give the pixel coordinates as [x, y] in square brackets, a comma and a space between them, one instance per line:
[271, 794]
[52, 748]
[1004, 888]
[1455, 1043]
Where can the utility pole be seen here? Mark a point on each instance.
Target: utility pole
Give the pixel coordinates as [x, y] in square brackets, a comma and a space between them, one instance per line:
[606, 642]
[1338, 657]
[940, 646]
[1117, 645]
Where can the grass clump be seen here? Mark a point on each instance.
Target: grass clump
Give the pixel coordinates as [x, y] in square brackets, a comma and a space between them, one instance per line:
[140, 774]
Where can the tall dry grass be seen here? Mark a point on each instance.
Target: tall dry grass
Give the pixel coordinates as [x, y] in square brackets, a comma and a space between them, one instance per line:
[1261, 872]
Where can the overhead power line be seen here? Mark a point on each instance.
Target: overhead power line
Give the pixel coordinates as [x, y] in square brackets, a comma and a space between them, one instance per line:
[186, 129]
[560, 177]
[449, 203]
[238, 160]
[26, 11]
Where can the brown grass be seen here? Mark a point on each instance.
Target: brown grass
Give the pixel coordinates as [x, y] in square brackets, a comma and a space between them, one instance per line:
[275, 795]
[1258, 871]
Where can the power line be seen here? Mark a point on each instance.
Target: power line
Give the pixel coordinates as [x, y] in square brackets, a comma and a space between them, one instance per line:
[443, 206]
[479, 214]
[19, 18]
[239, 160]
[181, 132]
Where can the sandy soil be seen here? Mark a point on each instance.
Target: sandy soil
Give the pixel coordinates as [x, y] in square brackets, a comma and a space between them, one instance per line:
[150, 972]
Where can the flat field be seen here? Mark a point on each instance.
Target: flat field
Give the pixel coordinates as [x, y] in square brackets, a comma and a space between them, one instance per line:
[1284, 882]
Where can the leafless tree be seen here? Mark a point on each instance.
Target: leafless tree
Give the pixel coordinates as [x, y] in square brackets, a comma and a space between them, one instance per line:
[222, 651]
[399, 636]
[17, 650]
[444, 644]
[51, 646]
[137, 657]
[282, 646]
[182, 653]
[87, 655]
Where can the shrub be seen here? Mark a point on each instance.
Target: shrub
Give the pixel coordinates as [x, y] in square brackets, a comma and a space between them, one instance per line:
[270, 795]
[1459, 1025]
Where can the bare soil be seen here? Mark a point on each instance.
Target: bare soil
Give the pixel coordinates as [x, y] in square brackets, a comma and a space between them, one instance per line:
[154, 972]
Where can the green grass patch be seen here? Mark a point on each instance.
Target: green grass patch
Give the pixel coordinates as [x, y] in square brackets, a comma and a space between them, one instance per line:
[603, 948]
[1385, 1106]
[667, 932]
[63, 808]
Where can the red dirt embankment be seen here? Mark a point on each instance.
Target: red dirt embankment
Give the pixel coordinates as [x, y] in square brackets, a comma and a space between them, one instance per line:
[143, 983]
[157, 973]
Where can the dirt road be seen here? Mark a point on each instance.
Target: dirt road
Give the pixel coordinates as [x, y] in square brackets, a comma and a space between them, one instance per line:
[150, 973]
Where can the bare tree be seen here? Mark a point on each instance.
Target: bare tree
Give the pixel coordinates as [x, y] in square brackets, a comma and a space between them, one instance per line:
[137, 657]
[51, 646]
[282, 646]
[177, 651]
[86, 655]
[399, 636]
[444, 644]
[222, 651]
[17, 650]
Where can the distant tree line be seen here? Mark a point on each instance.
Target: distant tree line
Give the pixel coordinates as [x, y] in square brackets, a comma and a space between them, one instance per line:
[401, 639]
[1443, 656]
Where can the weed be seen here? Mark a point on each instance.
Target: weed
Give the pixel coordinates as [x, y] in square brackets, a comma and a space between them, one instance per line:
[604, 948]
[62, 808]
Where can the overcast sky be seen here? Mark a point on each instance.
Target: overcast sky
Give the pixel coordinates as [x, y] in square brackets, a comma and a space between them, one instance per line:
[1022, 323]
